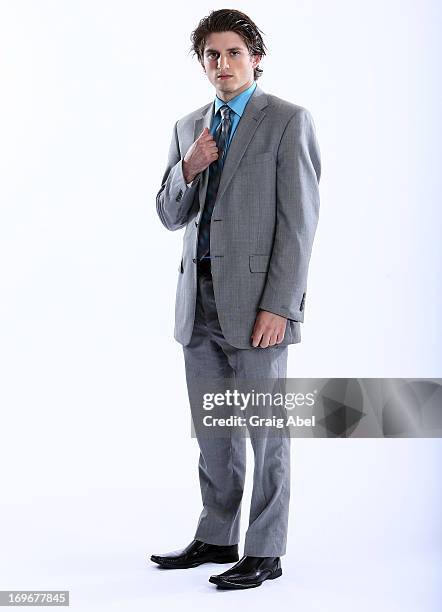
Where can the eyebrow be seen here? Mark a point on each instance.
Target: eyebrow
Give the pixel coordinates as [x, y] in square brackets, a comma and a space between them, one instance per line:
[215, 51]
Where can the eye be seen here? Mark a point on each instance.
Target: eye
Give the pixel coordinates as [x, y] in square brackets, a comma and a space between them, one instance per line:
[211, 55]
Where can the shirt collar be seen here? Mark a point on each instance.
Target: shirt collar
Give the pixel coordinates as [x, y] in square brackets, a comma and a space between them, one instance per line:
[238, 103]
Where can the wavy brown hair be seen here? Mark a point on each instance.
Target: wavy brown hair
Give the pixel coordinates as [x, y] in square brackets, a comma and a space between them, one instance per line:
[228, 20]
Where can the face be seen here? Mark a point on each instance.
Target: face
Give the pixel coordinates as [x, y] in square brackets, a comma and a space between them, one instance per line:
[225, 53]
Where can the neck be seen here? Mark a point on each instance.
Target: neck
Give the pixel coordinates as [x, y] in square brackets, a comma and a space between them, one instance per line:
[226, 96]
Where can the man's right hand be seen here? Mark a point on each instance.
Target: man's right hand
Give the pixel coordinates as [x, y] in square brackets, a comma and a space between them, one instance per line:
[200, 155]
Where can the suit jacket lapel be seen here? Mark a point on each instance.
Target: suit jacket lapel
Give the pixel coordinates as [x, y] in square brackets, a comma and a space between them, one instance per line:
[251, 118]
[205, 120]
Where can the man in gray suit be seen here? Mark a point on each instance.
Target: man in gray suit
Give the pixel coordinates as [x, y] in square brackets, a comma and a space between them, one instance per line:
[242, 179]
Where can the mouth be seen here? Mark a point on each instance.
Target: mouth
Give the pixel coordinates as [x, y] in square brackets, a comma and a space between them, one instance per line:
[225, 76]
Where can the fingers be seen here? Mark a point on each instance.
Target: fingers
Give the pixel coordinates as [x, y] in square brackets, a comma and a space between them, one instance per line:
[212, 150]
[261, 338]
[264, 338]
[273, 339]
[256, 339]
[206, 135]
[267, 340]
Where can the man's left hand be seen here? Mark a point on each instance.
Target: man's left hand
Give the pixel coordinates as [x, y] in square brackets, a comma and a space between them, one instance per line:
[269, 329]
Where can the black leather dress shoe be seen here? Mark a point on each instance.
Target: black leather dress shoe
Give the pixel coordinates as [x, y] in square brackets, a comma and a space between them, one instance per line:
[249, 572]
[197, 553]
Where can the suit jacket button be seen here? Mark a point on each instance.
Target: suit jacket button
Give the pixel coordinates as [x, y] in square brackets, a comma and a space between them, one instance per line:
[194, 260]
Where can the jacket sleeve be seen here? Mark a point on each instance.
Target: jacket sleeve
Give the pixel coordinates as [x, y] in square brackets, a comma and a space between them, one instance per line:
[297, 209]
[175, 198]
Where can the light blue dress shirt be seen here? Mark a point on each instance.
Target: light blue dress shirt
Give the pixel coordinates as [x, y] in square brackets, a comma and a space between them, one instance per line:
[237, 104]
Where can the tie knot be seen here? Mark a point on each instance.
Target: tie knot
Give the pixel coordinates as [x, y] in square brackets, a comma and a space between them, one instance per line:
[225, 112]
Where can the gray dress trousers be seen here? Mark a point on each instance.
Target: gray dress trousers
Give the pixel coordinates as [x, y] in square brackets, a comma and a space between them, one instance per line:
[222, 460]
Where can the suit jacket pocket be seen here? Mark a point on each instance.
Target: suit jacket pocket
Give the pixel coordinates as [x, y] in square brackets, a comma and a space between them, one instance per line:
[254, 159]
[259, 263]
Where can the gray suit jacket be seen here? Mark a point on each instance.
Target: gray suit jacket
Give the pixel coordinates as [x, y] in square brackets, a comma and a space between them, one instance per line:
[263, 222]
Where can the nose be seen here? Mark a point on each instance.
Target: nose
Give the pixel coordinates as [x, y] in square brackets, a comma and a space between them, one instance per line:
[223, 62]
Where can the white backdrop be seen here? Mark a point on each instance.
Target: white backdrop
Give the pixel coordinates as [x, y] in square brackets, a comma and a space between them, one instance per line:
[92, 391]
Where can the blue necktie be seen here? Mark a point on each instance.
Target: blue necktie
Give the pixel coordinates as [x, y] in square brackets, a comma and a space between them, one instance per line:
[215, 171]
